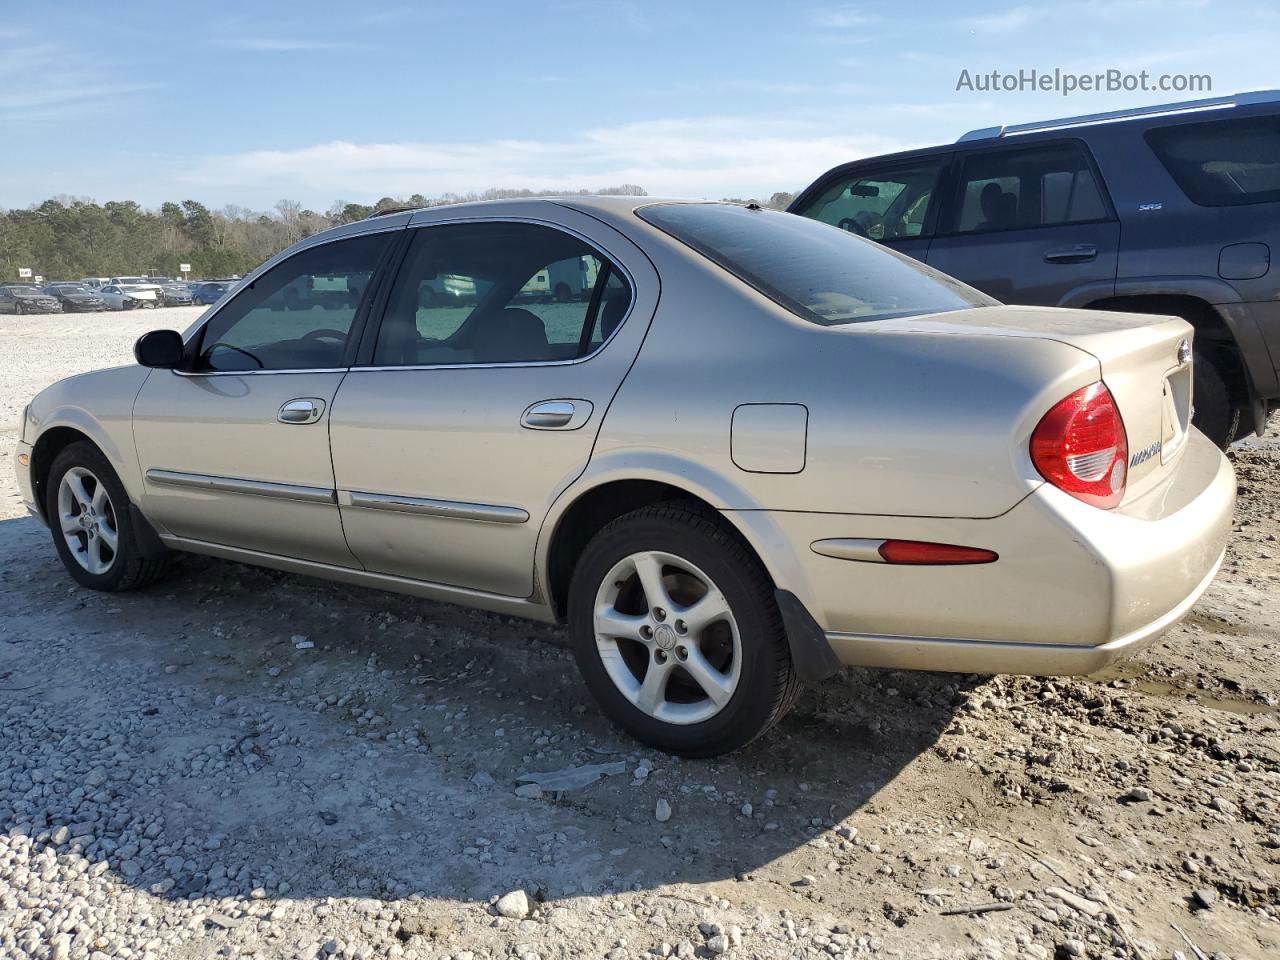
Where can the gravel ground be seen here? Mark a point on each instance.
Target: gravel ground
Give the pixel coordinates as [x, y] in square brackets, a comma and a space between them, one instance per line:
[244, 763]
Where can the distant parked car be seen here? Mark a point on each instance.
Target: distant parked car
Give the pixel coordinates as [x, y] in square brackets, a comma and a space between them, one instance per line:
[19, 299]
[175, 294]
[95, 283]
[130, 296]
[208, 293]
[1170, 209]
[76, 297]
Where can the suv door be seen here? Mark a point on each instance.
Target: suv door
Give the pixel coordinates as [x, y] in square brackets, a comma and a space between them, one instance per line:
[1030, 225]
[234, 449]
[894, 203]
[483, 395]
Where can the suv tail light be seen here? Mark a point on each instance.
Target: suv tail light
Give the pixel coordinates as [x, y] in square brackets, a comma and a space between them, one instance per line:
[1080, 446]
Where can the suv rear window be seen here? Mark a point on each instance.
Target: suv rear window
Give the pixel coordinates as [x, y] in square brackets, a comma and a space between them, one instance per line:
[818, 272]
[1225, 162]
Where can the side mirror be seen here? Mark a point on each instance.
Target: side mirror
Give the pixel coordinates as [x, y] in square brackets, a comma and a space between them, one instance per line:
[162, 349]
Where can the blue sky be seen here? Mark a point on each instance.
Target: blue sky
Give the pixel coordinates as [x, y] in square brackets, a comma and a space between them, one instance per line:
[321, 101]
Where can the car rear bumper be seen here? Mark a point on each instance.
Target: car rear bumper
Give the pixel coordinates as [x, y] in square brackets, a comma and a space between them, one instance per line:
[1074, 587]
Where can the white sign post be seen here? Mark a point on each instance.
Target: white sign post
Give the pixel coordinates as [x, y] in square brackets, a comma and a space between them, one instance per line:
[24, 273]
[38, 279]
[185, 268]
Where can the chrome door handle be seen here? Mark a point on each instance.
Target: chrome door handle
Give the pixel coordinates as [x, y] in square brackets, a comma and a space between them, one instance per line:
[304, 410]
[1076, 253]
[556, 415]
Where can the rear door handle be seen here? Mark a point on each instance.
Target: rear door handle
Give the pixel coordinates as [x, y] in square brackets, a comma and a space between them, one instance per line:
[302, 410]
[556, 415]
[1076, 253]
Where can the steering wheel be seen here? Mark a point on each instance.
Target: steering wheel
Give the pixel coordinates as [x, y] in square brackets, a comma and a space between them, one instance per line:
[228, 346]
[852, 226]
[325, 334]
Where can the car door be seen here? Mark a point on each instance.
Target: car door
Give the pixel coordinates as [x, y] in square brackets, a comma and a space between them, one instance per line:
[234, 448]
[483, 395]
[894, 203]
[1031, 225]
[6, 301]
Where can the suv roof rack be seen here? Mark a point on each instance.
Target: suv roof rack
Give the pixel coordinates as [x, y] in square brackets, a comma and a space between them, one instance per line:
[1185, 106]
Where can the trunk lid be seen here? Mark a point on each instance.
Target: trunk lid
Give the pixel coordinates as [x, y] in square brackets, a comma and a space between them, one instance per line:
[1143, 360]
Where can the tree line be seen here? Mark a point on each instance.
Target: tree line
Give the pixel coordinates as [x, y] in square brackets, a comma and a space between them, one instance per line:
[65, 238]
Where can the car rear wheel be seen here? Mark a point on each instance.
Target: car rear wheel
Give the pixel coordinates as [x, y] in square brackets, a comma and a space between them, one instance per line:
[677, 634]
[1213, 411]
[93, 530]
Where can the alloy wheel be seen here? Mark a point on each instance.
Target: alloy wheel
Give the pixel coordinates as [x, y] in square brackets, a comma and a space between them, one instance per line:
[87, 519]
[667, 637]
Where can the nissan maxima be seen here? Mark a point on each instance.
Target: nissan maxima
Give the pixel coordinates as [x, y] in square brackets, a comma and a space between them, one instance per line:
[760, 448]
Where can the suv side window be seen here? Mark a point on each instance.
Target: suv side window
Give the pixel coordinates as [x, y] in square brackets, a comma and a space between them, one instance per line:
[1222, 163]
[884, 204]
[296, 316]
[494, 292]
[1033, 187]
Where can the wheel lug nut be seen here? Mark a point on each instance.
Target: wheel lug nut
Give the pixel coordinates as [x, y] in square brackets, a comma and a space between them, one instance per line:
[681, 627]
[646, 631]
[659, 656]
[682, 653]
[659, 614]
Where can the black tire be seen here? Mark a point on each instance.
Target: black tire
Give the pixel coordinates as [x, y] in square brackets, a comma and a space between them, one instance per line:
[130, 569]
[19, 309]
[1213, 411]
[767, 685]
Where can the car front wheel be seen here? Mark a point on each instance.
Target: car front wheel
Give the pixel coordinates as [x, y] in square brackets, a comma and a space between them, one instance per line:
[677, 634]
[93, 531]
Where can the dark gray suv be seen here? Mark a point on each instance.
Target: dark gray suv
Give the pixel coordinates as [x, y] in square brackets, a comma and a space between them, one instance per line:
[1170, 209]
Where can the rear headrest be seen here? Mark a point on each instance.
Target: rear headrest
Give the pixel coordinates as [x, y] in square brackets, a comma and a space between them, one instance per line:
[614, 310]
[509, 336]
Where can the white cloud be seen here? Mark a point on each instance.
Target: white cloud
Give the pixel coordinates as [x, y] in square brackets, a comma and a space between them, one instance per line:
[706, 157]
[1009, 21]
[841, 18]
[277, 44]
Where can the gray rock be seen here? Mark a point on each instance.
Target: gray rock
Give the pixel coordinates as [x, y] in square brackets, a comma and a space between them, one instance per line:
[1205, 897]
[513, 905]
[662, 810]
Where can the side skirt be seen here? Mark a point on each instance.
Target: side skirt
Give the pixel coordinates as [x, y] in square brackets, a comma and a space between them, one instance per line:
[495, 603]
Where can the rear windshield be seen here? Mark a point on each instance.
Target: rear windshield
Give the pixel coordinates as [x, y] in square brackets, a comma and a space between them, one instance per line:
[818, 272]
[1225, 162]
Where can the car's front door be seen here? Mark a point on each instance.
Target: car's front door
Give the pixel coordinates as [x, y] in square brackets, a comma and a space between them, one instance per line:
[1030, 225]
[894, 203]
[234, 449]
[483, 395]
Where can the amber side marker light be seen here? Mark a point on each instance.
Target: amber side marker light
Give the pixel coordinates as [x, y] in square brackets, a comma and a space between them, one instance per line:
[921, 553]
[24, 460]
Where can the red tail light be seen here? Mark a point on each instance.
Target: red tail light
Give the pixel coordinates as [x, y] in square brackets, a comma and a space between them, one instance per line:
[1080, 446]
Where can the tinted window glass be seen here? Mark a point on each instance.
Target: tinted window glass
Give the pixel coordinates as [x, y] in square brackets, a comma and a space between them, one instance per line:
[882, 205]
[819, 273]
[1223, 163]
[1036, 187]
[498, 293]
[298, 315]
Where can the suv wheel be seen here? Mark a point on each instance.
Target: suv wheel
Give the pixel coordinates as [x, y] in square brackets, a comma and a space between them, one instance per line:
[1213, 410]
[93, 532]
[677, 634]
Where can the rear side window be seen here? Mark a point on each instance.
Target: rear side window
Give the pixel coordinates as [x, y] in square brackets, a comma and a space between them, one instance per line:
[1225, 162]
[499, 292]
[822, 274]
[885, 204]
[1035, 187]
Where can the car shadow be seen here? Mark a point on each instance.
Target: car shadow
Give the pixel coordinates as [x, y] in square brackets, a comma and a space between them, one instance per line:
[232, 730]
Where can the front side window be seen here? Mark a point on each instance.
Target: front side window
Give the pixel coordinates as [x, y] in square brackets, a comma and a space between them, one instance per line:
[483, 293]
[1223, 163]
[296, 316]
[1035, 187]
[821, 274]
[881, 205]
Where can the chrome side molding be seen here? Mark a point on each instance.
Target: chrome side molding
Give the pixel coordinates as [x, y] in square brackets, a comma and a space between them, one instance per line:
[254, 488]
[448, 509]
